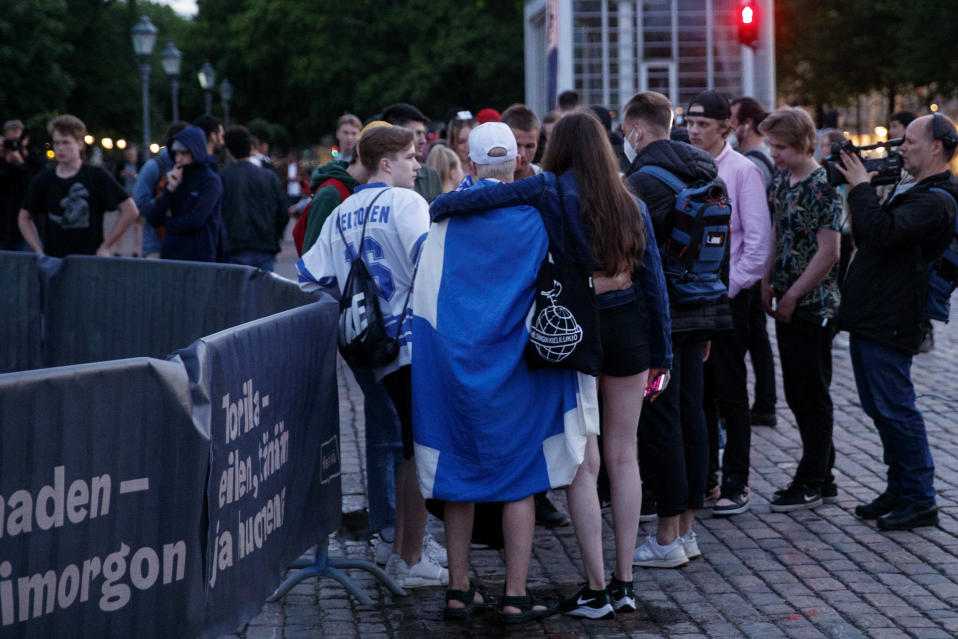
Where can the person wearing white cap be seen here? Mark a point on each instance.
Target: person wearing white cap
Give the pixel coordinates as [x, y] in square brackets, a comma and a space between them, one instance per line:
[487, 428]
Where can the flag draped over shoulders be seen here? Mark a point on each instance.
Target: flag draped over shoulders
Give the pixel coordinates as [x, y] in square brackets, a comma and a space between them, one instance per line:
[486, 427]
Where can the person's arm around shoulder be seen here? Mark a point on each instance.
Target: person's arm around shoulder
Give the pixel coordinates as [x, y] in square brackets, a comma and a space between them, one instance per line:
[529, 191]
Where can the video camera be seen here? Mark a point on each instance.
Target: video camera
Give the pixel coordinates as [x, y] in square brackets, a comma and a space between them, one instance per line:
[888, 167]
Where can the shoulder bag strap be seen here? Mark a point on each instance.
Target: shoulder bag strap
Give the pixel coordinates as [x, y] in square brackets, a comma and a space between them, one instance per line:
[362, 237]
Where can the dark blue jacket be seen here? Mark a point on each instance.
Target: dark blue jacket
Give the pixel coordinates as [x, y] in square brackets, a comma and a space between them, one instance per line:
[543, 192]
[192, 213]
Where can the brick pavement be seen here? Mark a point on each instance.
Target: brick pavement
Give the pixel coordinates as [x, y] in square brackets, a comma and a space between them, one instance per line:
[806, 574]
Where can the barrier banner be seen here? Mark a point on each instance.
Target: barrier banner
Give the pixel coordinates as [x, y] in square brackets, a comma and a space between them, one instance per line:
[101, 502]
[109, 308]
[20, 312]
[266, 394]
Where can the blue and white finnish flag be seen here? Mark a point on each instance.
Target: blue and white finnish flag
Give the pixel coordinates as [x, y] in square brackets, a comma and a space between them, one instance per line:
[486, 427]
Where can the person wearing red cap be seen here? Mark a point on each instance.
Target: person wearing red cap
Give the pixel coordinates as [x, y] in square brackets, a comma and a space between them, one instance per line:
[487, 115]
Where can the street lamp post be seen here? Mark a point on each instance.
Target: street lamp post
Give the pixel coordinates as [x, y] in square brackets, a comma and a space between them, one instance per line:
[171, 65]
[226, 94]
[207, 78]
[144, 39]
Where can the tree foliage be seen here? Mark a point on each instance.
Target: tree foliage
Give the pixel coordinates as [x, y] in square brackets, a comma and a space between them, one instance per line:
[829, 51]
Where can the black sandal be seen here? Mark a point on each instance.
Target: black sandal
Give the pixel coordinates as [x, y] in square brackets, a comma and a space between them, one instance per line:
[468, 599]
[527, 608]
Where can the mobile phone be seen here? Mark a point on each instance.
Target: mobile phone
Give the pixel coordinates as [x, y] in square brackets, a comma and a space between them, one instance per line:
[657, 385]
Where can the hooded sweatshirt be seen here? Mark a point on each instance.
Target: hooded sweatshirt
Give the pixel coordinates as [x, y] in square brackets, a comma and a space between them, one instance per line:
[325, 199]
[192, 213]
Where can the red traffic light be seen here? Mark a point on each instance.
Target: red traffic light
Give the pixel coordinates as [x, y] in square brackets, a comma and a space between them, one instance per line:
[748, 19]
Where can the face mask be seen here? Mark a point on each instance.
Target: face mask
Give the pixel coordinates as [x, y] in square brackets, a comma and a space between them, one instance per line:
[630, 151]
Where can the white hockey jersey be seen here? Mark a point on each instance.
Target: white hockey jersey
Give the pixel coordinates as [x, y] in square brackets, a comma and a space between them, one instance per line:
[397, 226]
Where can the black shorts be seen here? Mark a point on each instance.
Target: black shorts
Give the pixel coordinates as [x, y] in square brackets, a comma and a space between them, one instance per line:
[398, 386]
[624, 332]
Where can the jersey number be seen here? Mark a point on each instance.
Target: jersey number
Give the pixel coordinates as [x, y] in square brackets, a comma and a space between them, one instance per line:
[373, 256]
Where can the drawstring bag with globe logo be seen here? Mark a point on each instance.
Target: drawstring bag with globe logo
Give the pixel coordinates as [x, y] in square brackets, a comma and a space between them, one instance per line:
[563, 322]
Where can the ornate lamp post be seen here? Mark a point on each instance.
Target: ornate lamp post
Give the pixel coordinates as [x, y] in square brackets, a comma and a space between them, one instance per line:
[144, 39]
[207, 78]
[226, 94]
[171, 65]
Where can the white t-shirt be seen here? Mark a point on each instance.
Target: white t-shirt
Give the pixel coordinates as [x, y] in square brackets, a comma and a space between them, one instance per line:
[397, 226]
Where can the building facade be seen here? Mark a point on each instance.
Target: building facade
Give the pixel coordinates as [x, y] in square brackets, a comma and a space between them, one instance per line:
[607, 50]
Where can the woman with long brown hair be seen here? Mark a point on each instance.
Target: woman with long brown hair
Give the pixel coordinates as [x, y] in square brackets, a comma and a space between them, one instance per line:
[582, 198]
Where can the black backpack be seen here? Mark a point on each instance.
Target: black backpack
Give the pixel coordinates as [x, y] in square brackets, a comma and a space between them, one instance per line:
[693, 253]
[362, 340]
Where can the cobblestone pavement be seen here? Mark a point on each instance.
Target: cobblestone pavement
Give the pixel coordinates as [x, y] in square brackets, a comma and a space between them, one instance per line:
[805, 574]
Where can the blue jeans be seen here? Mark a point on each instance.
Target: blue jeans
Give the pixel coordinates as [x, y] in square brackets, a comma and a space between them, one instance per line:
[383, 450]
[883, 378]
[264, 261]
[151, 240]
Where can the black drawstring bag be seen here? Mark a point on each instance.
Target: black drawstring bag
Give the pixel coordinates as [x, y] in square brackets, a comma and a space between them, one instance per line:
[564, 324]
[362, 339]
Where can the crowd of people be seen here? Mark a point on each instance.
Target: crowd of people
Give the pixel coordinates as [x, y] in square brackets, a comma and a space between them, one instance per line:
[689, 239]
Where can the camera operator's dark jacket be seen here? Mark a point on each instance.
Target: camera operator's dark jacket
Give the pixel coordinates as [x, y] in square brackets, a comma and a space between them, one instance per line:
[690, 165]
[14, 179]
[883, 295]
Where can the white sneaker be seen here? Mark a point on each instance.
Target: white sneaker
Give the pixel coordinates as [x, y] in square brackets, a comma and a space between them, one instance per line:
[382, 549]
[690, 544]
[434, 550]
[652, 555]
[425, 573]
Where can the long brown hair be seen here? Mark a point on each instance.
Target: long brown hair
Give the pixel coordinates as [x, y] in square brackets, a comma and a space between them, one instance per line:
[579, 142]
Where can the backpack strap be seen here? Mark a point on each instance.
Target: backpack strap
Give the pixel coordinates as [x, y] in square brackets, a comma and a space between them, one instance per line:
[663, 175]
[362, 237]
[948, 198]
[755, 153]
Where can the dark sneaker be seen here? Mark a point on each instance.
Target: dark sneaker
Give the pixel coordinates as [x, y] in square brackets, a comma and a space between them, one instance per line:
[591, 604]
[881, 505]
[796, 497]
[763, 419]
[830, 493]
[548, 515]
[621, 595]
[648, 511]
[735, 503]
[909, 515]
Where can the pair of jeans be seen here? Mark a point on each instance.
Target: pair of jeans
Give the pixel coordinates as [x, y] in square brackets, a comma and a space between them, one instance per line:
[805, 352]
[673, 437]
[883, 378]
[383, 450]
[260, 260]
[760, 351]
[726, 394]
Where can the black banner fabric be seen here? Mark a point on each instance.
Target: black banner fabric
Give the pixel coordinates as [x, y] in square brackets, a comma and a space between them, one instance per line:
[101, 502]
[109, 308]
[266, 393]
[20, 306]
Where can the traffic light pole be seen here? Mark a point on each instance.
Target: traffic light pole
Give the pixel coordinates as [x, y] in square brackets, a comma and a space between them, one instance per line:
[748, 71]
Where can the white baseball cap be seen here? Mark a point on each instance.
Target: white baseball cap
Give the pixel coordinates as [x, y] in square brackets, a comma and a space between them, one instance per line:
[492, 143]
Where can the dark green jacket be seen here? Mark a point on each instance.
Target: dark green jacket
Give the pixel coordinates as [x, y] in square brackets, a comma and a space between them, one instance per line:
[325, 199]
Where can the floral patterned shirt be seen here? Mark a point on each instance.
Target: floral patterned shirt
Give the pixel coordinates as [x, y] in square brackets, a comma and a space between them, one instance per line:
[799, 211]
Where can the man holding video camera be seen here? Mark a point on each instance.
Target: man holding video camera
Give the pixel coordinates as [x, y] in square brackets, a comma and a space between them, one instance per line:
[17, 167]
[883, 305]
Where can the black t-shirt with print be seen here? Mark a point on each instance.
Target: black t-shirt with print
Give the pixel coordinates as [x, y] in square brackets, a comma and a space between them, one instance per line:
[69, 212]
